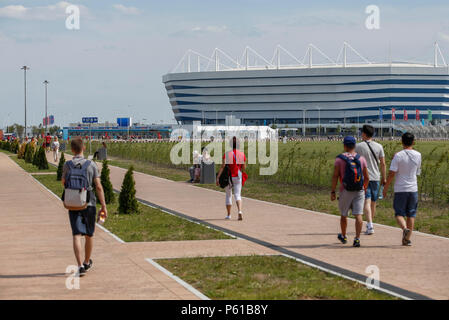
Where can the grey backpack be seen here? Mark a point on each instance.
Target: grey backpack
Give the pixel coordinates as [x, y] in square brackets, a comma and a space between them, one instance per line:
[77, 189]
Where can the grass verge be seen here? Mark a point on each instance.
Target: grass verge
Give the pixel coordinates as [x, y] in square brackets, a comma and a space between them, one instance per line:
[265, 278]
[432, 218]
[148, 225]
[28, 167]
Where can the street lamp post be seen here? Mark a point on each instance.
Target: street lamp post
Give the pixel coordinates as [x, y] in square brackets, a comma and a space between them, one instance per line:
[46, 116]
[25, 68]
[304, 122]
[319, 122]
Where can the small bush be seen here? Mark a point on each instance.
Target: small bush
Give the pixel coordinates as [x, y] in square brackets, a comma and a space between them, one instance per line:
[109, 195]
[29, 153]
[42, 159]
[60, 167]
[127, 199]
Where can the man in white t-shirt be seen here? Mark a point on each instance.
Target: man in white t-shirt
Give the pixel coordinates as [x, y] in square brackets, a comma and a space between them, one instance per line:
[374, 154]
[55, 147]
[406, 165]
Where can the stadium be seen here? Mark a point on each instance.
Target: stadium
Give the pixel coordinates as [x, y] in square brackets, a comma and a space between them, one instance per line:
[307, 95]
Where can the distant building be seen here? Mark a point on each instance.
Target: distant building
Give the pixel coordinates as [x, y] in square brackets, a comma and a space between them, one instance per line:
[305, 95]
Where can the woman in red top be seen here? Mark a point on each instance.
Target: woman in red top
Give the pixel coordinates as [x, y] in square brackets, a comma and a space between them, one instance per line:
[237, 164]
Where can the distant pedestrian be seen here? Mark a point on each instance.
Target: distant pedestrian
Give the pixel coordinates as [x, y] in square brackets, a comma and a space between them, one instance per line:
[47, 142]
[351, 170]
[374, 155]
[55, 148]
[75, 172]
[405, 166]
[236, 160]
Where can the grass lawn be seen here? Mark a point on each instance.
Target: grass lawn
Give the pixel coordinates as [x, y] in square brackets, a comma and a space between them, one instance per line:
[148, 225]
[264, 278]
[432, 217]
[28, 167]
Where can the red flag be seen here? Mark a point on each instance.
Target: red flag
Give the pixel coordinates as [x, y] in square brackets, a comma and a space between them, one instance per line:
[405, 115]
[417, 114]
[393, 114]
[159, 135]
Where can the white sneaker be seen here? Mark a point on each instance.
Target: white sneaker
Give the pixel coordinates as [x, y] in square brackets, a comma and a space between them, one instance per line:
[369, 231]
[228, 217]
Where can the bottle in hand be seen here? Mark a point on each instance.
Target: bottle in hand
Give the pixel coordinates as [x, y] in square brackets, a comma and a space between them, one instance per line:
[101, 217]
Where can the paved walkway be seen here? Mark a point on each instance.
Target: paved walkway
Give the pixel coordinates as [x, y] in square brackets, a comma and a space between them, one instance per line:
[422, 268]
[36, 248]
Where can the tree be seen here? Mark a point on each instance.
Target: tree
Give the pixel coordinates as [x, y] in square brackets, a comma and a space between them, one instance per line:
[60, 167]
[42, 159]
[18, 129]
[53, 130]
[127, 199]
[29, 153]
[109, 195]
[36, 155]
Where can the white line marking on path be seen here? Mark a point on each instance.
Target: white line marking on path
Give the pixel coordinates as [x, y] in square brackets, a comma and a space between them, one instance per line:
[178, 280]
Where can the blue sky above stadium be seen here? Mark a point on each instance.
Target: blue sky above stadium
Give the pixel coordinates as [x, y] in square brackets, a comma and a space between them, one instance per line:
[113, 65]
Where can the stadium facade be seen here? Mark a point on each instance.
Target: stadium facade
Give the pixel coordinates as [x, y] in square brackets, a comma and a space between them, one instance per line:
[304, 95]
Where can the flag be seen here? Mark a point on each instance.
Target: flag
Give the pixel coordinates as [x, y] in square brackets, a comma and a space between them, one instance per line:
[405, 115]
[429, 115]
[417, 114]
[393, 114]
[381, 114]
[422, 121]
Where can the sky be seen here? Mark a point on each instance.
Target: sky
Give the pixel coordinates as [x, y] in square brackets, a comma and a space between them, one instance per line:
[113, 65]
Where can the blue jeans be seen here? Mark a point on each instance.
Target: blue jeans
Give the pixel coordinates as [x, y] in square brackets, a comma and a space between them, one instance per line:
[372, 192]
[405, 204]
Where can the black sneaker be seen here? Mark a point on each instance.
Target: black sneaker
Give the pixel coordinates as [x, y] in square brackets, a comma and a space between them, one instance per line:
[405, 237]
[356, 243]
[343, 239]
[406, 243]
[81, 272]
[88, 266]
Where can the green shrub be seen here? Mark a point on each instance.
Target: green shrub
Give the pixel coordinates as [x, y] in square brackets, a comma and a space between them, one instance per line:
[14, 147]
[29, 153]
[60, 167]
[42, 159]
[109, 195]
[127, 199]
[35, 161]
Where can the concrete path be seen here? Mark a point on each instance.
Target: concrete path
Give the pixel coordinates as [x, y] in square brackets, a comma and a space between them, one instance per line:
[36, 249]
[422, 269]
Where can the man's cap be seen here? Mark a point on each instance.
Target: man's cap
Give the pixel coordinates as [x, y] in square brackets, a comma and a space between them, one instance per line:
[349, 140]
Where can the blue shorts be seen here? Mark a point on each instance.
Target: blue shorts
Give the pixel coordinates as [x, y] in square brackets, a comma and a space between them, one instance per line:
[405, 204]
[372, 192]
[83, 222]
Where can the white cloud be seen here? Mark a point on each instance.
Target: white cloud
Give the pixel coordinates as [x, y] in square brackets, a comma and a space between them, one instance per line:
[444, 36]
[126, 10]
[50, 12]
[210, 29]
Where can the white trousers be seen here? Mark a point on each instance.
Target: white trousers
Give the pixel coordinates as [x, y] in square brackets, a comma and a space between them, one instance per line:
[236, 188]
[55, 154]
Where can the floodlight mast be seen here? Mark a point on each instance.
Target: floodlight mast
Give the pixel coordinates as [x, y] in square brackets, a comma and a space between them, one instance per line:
[25, 68]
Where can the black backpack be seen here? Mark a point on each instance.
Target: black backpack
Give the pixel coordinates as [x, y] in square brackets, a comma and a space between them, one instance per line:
[225, 177]
[353, 178]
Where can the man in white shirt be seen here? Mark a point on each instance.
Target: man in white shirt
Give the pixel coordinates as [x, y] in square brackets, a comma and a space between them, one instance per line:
[406, 165]
[374, 154]
[55, 147]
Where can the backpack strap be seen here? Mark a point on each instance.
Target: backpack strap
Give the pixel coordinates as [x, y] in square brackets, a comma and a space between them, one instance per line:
[343, 157]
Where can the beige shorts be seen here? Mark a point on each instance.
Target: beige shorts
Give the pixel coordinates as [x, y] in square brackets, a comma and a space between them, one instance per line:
[351, 200]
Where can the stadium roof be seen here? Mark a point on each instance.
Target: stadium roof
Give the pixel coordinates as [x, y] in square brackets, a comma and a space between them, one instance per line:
[193, 61]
